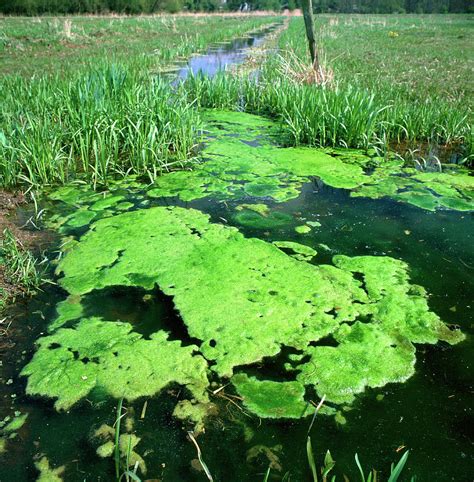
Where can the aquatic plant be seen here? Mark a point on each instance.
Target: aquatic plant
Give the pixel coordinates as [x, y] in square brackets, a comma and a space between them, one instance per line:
[329, 464]
[206, 266]
[113, 121]
[19, 264]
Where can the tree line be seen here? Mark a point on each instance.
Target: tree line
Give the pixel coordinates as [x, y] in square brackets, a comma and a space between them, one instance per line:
[38, 7]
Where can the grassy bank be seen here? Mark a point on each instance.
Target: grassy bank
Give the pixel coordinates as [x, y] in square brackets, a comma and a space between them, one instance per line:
[112, 120]
[107, 119]
[110, 116]
[372, 100]
[42, 45]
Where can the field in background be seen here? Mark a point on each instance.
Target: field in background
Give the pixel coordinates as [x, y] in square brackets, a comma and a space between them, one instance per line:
[399, 83]
[49, 44]
[420, 56]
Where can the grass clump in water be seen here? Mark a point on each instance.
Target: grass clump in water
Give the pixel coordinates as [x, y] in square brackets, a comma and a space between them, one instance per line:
[112, 121]
[19, 268]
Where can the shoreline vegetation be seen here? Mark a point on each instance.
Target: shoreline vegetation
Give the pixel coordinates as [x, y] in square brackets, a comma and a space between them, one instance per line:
[118, 118]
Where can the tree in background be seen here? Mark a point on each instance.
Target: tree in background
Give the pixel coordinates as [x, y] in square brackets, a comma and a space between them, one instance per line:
[38, 7]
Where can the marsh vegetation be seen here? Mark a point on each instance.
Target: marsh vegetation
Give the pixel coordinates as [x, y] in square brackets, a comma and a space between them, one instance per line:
[248, 267]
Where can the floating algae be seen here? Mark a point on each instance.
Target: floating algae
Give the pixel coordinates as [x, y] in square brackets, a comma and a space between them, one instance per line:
[255, 220]
[296, 250]
[259, 208]
[235, 168]
[270, 399]
[48, 474]
[303, 229]
[242, 161]
[366, 304]
[106, 357]
[273, 298]
[127, 443]
[453, 189]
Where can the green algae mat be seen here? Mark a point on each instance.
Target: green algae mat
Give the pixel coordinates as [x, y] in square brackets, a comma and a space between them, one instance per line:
[244, 299]
[263, 309]
[243, 159]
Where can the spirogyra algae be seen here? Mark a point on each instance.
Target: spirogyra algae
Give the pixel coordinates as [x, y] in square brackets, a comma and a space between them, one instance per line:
[236, 168]
[109, 358]
[366, 304]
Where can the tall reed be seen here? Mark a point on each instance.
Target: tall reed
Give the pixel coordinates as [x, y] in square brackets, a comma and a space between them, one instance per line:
[112, 121]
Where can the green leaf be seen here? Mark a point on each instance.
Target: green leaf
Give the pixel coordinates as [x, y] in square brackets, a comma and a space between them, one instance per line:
[311, 462]
[395, 473]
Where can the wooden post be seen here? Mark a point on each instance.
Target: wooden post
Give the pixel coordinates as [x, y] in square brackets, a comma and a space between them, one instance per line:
[307, 6]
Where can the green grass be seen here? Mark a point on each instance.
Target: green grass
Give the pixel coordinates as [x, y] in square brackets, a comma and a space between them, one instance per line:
[40, 45]
[94, 108]
[108, 119]
[431, 58]
[19, 266]
[373, 101]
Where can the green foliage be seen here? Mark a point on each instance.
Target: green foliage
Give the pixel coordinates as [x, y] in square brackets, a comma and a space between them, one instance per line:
[113, 121]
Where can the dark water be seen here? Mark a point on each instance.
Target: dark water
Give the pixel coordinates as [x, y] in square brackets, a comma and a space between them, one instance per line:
[430, 414]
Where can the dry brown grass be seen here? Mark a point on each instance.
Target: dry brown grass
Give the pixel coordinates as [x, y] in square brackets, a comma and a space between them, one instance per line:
[293, 68]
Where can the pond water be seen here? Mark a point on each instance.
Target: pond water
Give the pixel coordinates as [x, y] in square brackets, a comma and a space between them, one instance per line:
[429, 413]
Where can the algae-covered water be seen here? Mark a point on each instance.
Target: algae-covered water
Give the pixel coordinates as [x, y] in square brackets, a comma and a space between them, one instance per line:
[226, 299]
